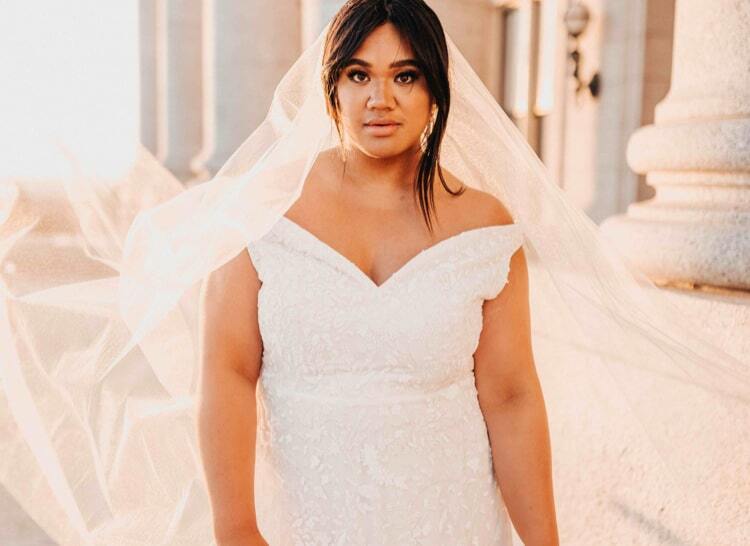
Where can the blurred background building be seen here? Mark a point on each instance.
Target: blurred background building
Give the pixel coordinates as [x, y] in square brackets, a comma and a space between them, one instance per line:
[640, 110]
[577, 77]
[198, 104]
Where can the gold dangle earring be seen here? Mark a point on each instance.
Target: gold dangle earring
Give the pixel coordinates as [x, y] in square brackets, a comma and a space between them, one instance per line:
[430, 126]
[341, 146]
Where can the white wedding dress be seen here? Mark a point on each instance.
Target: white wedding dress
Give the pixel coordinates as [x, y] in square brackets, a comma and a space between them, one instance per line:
[369, 427]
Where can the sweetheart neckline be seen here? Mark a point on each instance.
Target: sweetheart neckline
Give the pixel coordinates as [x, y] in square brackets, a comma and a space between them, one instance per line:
[406, 265]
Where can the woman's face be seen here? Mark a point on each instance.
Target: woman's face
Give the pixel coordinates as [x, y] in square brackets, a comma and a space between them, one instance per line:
[384, 102]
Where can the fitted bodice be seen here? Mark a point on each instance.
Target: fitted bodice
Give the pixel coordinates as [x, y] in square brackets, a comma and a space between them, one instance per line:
[367, 401]
[321, 318]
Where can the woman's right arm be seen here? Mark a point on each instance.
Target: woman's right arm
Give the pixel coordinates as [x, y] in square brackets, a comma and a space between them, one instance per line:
[231, 350]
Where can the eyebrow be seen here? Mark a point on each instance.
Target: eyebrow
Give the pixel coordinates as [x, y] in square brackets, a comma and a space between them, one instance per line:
[397, 64]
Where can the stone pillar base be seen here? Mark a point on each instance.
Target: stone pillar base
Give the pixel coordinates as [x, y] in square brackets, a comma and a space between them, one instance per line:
[724, 315]
[696, 229]
[683, 253]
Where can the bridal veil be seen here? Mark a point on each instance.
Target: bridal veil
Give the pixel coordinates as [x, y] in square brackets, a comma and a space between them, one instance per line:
[100, 356]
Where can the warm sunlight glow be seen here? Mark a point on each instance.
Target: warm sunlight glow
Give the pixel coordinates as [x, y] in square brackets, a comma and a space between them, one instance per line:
[70, 78]
[545, 91]
[517, 71]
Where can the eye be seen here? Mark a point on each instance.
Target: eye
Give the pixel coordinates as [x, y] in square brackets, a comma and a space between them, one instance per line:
[357, 76]
[407, 77]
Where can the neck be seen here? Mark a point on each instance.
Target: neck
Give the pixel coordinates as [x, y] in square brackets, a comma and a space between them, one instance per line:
[390, 174]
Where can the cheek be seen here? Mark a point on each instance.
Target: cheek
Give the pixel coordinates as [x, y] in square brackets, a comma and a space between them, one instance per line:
[350, 104]
[418, 110]
[417, 102]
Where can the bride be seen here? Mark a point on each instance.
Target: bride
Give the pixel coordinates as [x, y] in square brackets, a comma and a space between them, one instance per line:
[344, 317]
[330, 341]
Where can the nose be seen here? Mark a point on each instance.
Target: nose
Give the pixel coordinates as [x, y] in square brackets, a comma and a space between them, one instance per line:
[381, 95]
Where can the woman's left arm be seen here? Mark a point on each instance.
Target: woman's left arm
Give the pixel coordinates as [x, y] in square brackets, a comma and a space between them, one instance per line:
[511, 401]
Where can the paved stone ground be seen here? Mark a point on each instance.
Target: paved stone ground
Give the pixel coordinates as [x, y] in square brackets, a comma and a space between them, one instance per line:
[16, 528]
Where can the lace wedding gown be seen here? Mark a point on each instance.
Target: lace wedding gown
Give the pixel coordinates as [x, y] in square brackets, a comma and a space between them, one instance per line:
[369, 427]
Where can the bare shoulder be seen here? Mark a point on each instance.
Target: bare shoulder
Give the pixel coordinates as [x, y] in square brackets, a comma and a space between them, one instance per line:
[316, 194]
[230, 295]
[479, 207]
[489, 208]
[238, 273]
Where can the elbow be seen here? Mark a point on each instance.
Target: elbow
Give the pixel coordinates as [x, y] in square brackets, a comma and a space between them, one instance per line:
[236, 534]
[511, 399]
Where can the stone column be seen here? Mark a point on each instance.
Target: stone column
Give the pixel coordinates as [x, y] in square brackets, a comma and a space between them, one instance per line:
[179, 89]
[315, 16]
[474, 26]
[147, 34]
[248, 46]
[696, 155]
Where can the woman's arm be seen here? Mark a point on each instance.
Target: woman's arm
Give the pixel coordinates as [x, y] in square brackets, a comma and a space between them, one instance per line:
[231, 351]
[511, 401]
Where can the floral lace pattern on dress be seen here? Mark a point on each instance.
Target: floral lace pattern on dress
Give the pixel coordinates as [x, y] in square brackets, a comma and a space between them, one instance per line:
[369, 427]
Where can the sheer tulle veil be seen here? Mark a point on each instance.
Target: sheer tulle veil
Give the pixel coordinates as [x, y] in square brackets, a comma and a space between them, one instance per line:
[100, 358]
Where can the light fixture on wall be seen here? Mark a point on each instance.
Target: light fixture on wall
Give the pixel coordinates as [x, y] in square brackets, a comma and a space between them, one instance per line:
[576, 20]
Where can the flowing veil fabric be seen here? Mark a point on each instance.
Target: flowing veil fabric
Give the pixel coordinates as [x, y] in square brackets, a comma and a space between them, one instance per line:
[100, 358]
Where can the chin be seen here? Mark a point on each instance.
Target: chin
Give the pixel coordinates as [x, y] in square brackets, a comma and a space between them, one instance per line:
[384, 149]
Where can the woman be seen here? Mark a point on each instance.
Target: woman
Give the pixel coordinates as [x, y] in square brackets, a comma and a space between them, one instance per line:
[371, 313]
[420, 472]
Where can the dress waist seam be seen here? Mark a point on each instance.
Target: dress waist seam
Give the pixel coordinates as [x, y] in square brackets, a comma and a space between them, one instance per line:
[369, 400]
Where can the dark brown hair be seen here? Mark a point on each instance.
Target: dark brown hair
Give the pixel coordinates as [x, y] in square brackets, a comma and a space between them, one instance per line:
[418, 24]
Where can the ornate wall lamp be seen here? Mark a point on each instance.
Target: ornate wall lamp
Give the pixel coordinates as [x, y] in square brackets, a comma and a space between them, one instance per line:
[576, 20]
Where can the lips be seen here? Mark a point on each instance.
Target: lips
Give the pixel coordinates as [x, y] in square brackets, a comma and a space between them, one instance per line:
[381, 123]
[381, 127]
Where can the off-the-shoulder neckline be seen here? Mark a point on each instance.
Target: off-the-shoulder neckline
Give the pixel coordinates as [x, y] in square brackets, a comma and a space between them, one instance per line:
[410, 263]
